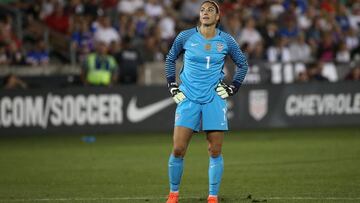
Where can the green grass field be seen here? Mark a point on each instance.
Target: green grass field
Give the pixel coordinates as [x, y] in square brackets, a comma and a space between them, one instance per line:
[299, 165]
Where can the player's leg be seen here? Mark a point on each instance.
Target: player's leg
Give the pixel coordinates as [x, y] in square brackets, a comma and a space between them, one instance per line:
[216, 163]
[181, 141]
[187, 120]
[215, 124]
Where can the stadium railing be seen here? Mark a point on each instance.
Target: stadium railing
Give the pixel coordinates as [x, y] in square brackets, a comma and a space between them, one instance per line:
[260, 72]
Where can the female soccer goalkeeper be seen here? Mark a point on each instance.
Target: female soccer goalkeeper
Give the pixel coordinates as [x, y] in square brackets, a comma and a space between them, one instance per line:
[201, 94]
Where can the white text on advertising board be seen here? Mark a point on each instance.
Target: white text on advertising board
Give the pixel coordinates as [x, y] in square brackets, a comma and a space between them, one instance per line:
[34, 111]
[326, 104]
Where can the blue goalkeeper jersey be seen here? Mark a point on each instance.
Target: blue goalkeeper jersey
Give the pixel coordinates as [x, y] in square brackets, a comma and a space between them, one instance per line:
[204, 61]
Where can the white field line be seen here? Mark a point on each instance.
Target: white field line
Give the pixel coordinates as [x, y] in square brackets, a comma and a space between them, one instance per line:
[312, 198]
[81, 199]
[163, 198]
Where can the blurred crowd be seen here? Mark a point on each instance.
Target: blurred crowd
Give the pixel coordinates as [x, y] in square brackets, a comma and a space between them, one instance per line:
[140, 31]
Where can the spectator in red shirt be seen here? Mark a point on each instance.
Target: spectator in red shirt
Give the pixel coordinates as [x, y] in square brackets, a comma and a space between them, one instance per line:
[58, 20]
[7, 37]
[328, 6]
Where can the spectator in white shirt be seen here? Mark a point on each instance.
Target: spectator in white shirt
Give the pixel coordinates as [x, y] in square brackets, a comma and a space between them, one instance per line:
[129, 6]
[351, 39]
[305, 20]
[167, 27]
[276, 8]
[249, 34]
[105, 32]
[343, 53]
[355, 16]
[280, 52]
[154, 9]
[190, 10]
[299, 50]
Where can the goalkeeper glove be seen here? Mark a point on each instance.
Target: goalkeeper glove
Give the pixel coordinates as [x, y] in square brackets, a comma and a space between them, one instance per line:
[175, 92]
[224, 90]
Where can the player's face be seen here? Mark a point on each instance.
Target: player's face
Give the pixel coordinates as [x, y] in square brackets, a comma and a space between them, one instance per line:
[208, 14]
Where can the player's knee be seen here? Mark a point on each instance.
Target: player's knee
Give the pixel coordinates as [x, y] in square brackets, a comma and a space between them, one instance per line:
[215, 150]
[179, 151]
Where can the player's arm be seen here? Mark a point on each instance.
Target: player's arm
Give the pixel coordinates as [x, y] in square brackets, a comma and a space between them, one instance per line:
[170, 67]
[242, 67]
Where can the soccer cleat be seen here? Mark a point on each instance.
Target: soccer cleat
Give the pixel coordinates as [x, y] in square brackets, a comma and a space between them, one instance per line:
[212, 199]
[173, 197]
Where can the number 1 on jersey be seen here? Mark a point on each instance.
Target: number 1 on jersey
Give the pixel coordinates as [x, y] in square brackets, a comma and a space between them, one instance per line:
[207, 62]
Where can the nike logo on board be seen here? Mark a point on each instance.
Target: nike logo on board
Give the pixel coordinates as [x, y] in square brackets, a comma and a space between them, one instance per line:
[137, 114]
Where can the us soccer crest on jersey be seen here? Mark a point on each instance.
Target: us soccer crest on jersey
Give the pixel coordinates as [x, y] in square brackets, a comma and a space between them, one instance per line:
[219, 46]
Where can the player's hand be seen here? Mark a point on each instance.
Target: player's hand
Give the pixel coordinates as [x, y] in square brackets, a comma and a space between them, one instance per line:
[175, 92]
[224, 90]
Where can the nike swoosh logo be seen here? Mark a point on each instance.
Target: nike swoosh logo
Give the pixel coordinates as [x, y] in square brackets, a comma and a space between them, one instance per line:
[136, 114]
[192, 44]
